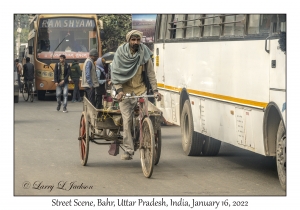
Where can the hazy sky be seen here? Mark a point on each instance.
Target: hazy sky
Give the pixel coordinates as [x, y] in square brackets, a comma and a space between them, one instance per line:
[144, 16]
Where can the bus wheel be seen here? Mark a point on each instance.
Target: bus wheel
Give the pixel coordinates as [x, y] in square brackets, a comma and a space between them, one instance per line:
[190, 143]
[211, 146]
[41, 95]
[281, 154]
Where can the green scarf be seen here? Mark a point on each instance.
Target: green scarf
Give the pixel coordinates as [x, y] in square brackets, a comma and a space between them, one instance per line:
[125, 65]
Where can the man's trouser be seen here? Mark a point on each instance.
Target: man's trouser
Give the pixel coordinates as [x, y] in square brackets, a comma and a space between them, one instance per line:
[19, 82]
[59, 89]
[99, 98]
[76, 89]
[127, 108]
[90, 94]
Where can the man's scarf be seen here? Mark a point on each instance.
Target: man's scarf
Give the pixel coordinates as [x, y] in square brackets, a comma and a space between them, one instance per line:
[125, 65]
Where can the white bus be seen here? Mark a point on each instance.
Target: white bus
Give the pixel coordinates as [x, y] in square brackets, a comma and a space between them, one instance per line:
[223, 79]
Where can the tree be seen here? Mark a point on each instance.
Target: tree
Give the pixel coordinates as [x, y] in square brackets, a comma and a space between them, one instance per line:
[23, 35]
[23, 19]
[115, 28]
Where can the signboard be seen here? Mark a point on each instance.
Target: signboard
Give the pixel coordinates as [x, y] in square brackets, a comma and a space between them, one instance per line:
[69, 55]
[146, 24]
[67, 23]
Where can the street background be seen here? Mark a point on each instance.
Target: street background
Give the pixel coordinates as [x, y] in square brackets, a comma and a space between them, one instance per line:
[46, 153]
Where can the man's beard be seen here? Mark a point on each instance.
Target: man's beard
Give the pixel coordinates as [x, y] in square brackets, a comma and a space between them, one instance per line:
[135, 47]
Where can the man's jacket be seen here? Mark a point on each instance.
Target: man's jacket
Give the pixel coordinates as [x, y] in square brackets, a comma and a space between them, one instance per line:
[57, 73]
[28, 71]
[75, 71]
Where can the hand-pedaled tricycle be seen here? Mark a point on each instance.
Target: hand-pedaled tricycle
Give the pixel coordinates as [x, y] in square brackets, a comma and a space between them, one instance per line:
[104, 127]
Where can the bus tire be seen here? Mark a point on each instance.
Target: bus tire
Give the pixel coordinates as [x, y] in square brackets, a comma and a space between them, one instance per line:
[190, 143]
[41, 95]
[281, 154]
[211, 146]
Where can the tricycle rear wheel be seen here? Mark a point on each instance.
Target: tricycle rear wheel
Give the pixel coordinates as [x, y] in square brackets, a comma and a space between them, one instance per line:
[25, 92]
[84, 139]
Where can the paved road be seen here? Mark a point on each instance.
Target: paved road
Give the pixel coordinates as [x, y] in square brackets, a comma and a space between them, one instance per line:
[46, 161]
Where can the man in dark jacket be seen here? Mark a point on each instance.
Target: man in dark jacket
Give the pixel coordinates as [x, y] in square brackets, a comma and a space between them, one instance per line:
[28, 72]
[61, 79]
[75, 75]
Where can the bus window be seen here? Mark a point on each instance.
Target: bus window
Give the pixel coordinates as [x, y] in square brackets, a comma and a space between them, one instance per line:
[265, 23]
[211, 27]
[170, 33]
[253, 25]
[233, 26]
[162, 26]
[92, 38]
[239, 26]
[193, 29]
[180, 24]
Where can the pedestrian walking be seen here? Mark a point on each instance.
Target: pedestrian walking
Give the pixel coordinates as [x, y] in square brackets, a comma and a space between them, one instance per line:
[61, 79]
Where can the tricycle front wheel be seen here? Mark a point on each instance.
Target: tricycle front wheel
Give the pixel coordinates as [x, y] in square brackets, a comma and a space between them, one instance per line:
[84, 139]
[147, 147]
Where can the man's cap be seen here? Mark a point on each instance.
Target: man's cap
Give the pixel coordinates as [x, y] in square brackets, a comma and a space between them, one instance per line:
[133, 32]
[94, 52]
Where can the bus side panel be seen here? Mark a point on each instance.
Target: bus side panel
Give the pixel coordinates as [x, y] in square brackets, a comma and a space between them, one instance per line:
[278, 77]
[196, 110]
[236, 125]
[222, 68]
[169, 106]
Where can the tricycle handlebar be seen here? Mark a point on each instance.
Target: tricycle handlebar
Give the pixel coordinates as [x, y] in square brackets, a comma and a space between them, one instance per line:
[142, 96]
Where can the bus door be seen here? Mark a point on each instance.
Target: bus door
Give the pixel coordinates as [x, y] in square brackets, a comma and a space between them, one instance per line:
[277, 51]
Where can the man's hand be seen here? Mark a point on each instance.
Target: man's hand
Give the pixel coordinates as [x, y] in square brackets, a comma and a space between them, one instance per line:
[157, 95]
[61, 83]
[120, 96]
[56, 84]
